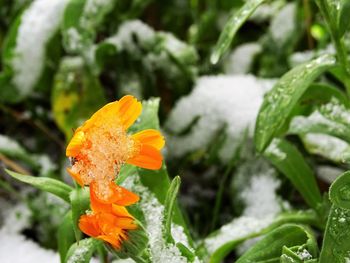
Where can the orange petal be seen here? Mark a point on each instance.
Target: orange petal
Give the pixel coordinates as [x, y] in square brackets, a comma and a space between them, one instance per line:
[75, 144]
[89, 226]
[150, 137]
[107, 113]
[125, 223]
[96, 204]
[119, 196]
[114, 241]
[121, 211]
[76, 177]
[129, 110]
[148, 157]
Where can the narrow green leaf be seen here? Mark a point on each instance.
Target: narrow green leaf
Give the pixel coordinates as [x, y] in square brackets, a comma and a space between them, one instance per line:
[82, 251]
[65, 236]
[80, 202]
[169, 204]
[46, 184]
[339, 192]
[187, 253]
[280, 101]
[235, 21]
[271, 245]
[288, 160]
[336, 241]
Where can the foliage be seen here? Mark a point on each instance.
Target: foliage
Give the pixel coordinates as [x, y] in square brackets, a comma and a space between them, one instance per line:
[263, 180]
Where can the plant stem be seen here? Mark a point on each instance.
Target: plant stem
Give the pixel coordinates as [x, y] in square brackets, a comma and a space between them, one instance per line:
[337, 40]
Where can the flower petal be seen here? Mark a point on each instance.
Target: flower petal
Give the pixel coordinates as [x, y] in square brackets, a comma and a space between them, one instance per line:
[121, 211]
[88, 225]
[129, 110]
[125, 223]
[150, 137]
[148, 157]
[75, 144]
[114, 241]
[119, 196]
[76, 177]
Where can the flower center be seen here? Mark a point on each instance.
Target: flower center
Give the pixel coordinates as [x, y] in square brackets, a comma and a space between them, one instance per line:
[102, 155]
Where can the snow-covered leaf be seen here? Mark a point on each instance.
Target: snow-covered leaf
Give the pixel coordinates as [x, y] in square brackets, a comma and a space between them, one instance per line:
[280, 101]
[270, 247]
[81, 252]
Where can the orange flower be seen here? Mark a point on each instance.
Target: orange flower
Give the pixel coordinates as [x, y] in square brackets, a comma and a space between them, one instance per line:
[102, 145]
[109, 219]
[109, 227]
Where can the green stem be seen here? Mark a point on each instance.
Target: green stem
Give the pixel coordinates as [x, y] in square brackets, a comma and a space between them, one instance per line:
[338, 42]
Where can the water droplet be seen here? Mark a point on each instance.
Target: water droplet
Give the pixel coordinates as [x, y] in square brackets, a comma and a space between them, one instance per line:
[344, 192]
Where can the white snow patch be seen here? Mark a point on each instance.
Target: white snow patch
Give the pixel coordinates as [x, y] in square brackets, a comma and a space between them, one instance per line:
[304, 254]
[301, 124]
[220, 100]
[325, 145]
[38, 24]
[241, 59]
[9, 145]
[14, 246]
[130, 30]
[328, 173]
[260, 196]
[275, 151]
[283, 24]
[239, 228]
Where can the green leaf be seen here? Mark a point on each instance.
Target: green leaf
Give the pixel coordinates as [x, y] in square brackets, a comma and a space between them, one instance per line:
[336, 240]
[339, 192]
[46, 184]
[65, 236]
[80, 202]
[280, 101]
[288, 160]
[235, 21]
[82, 251]
[169, 204]
[270, 247]
[320, 93]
